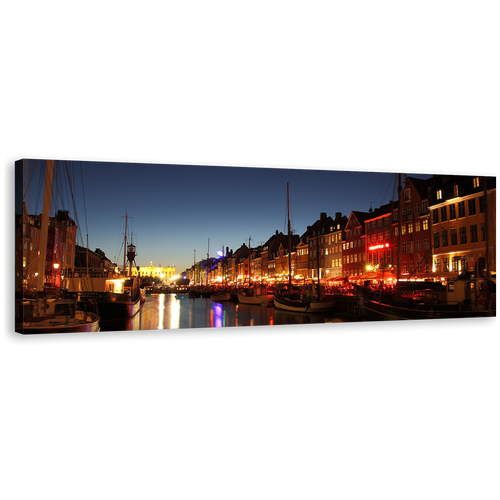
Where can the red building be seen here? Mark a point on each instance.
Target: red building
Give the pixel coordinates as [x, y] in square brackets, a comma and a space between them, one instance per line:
[412, 219]
[379, 241]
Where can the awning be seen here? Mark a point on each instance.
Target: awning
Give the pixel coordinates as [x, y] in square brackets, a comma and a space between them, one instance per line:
[337, 278]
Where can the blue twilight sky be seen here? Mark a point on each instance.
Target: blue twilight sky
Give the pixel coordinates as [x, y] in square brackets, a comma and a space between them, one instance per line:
[174, 210]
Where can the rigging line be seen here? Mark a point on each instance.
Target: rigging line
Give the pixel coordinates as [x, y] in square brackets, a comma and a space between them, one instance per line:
[27, 182]
[40, 183]
[83, 194]
[70, 189]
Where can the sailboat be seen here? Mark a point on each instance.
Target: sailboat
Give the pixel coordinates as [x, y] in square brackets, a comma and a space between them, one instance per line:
[257, 293]
[36, 310]
[304, 298]
[118, 298]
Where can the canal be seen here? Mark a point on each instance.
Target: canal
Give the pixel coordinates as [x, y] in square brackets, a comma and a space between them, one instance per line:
[172, 312]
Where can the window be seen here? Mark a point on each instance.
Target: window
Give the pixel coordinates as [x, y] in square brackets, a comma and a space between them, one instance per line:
[475, 182]
[426, 244]
[407, 194]
[453, 237]
[444, 238]
[425, 205]
[435, 216]
[473, 233]
[380, 237]
[446, 261]
[463, 236]
[453, 214]
[416, 208]
[481, 205]
[405, 267]
[439, 195]
[396, 231]
[436, 240]
[444, 216]
[472, 206]
[419, 245]
[403, 229]
[417, 226]
[425, 225]
[410, 227]
[396, 214]
[461, 209]
[455, 191]
[437, 264]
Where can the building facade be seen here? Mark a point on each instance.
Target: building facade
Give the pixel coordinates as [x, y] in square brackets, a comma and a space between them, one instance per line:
[379, 240]
[353, 246]
[463, 222]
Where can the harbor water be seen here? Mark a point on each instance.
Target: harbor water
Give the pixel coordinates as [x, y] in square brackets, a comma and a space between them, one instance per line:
[178, 311]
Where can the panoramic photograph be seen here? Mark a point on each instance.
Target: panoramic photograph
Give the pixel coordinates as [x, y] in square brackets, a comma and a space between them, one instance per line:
[109, 246]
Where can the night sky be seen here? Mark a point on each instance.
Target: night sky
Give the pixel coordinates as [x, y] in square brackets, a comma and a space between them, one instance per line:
[174, 210]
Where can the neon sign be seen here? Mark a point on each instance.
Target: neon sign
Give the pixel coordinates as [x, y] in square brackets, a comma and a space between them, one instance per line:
[379, 247]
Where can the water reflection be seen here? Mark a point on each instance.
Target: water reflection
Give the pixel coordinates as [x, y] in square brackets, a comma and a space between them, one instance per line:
[172, 312]
[161, 305]
[175, 311]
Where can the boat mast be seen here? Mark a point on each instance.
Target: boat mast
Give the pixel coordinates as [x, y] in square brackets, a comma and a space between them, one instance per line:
[125, 247]
[399, 229]
[208, 257]
[487, 240]
[289, 237]
[44, 228]
[249, 256]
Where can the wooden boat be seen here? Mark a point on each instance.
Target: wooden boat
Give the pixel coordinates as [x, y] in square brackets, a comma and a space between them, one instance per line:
[221, 297]
[54, 315]
[456, 299]
[304, 298]
[256, 294]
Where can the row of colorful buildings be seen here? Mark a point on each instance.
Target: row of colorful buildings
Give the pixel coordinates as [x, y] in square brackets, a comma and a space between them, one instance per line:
[438, 228]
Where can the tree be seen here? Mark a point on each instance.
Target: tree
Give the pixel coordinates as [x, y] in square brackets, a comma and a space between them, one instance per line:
[182, 281]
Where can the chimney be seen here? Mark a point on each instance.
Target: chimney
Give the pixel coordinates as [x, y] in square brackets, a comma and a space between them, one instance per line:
[322, 216]
[338, 215]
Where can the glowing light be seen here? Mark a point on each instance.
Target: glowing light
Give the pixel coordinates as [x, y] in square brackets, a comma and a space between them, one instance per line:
[379, 246]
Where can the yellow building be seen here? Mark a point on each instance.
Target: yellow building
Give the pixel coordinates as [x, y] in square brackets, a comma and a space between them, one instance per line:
[464, 225]
[165, 274]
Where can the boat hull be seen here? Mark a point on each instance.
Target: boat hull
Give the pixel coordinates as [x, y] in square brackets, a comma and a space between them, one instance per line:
[256, 299]
[84, 323]
[223, 297]
[300, 306]
[373, 310]
[118, 307]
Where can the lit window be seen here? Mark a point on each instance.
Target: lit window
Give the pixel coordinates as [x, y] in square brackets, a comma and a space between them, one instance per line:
[439, 195]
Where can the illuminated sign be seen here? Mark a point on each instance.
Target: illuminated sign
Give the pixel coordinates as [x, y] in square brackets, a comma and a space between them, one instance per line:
[379, 247]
